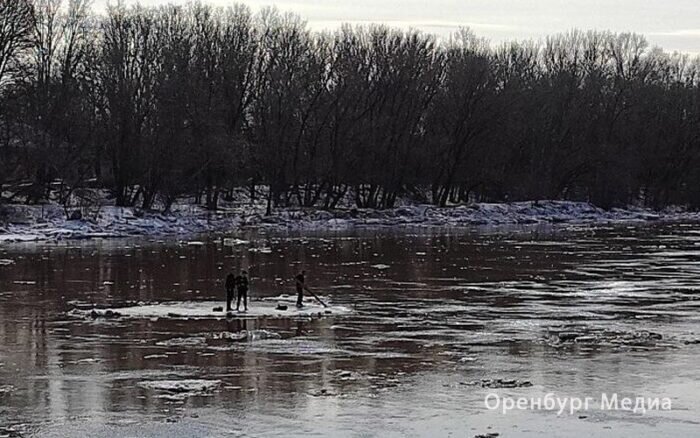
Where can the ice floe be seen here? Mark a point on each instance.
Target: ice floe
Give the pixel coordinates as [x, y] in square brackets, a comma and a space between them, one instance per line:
[499, 383]
[184, 387]
[6, 389]
[270, 308]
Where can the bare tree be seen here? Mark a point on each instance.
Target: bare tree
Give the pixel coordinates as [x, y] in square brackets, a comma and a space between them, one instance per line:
[128, 65]
[16, 21]
[461, 117]
[61, 121]
[157, 103]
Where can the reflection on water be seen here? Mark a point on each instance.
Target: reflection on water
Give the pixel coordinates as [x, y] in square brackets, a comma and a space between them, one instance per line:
[575, 312]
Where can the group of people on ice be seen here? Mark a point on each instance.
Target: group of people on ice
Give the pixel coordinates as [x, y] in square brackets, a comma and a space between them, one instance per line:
[240, 284]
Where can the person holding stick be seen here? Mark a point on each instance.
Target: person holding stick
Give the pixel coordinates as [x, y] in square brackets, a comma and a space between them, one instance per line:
[301, 287]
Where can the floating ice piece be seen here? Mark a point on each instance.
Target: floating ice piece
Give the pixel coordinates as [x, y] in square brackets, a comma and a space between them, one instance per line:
[194, 386]
[488, 435]
[156, 356]
[235, 242]
[500, 383]
[183, 342]
[5, 389]
[204, 309]
[381, 266]
[88, 360]
[323, 393]
[6, 262]
[246, 335]
[263, 250]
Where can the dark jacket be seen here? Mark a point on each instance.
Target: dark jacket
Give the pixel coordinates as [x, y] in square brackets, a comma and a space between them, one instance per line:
[242, 283]
[230, 281]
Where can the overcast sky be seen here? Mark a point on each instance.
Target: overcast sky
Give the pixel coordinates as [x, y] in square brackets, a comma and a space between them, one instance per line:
[671, 24]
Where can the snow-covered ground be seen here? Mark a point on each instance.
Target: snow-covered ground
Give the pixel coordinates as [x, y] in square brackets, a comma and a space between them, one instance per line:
[48, 222]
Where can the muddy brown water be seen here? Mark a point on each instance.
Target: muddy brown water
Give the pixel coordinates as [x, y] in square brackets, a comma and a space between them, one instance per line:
[572, 311]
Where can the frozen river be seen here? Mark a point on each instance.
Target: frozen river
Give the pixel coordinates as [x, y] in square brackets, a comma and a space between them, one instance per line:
[428, 325]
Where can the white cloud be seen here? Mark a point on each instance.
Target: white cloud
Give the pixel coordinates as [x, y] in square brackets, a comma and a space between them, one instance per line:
[679, 33]
[673, 27]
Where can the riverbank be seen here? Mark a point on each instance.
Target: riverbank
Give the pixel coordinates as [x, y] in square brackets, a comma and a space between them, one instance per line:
[48, 222]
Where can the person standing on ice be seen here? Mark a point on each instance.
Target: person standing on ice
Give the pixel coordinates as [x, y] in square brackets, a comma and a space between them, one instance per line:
[300, 288]
[242, 282]
[230, 290]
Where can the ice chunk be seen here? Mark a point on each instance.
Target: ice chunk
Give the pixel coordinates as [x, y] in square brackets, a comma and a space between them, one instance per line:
[204, 309]
[6, 389]
[181, 342]
[263, 250]
[193, 386]
[235, 242]
[156, 356]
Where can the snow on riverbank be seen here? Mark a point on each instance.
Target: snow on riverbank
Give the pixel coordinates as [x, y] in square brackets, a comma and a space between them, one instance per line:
[47, 222]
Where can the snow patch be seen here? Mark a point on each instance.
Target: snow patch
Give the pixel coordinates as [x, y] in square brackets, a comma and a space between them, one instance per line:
[47, 222]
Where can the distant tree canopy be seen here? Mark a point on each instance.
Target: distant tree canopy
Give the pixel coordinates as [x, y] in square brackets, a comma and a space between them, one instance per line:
[155, 104]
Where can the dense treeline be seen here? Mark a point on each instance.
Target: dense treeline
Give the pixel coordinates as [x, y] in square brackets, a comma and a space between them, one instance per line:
[155, 104]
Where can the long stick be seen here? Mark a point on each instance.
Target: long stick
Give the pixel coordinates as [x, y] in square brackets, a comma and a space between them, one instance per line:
[314, 295]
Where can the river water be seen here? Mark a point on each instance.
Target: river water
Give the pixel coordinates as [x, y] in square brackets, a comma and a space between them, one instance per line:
[437, 321]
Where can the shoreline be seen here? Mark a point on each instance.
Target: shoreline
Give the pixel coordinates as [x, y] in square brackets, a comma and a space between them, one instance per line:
[48, 223]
